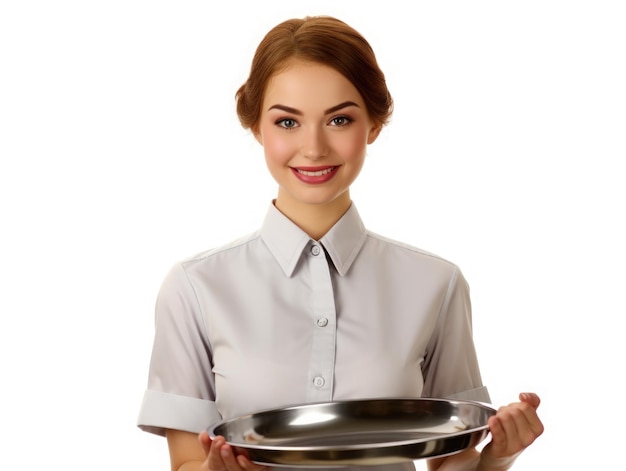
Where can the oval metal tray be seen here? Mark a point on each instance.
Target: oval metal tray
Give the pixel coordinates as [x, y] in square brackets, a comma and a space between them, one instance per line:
[357, 432]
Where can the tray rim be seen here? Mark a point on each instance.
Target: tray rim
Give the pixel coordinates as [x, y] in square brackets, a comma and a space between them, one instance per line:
[353, 447]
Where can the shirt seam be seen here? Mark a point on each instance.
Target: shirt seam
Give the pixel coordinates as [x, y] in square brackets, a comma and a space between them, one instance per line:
[442, 312]
[450, 290]
[201, 256]
[410, 248]
[203, 318]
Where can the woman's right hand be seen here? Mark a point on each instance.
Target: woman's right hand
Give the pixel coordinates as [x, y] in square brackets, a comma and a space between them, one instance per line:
[220, 456]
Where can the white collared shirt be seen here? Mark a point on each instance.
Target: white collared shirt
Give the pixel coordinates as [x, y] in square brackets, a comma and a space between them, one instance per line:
[278, 319]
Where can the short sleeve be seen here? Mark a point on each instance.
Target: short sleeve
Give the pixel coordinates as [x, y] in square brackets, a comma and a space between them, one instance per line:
[181, 386]
[450, 367]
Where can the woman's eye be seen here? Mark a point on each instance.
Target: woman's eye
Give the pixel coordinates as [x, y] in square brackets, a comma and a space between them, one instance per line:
[287, 123]
[340, 121]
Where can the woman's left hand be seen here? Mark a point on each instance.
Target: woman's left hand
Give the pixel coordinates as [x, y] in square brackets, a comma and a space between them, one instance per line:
[513, 428]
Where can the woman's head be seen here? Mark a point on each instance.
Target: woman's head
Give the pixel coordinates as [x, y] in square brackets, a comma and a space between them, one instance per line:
[321, 39]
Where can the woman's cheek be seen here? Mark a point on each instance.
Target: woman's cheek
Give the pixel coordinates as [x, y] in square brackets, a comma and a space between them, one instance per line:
[352, 148]
[278, 147]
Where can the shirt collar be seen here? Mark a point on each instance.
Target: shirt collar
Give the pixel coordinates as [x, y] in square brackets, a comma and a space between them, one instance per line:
[286, 241]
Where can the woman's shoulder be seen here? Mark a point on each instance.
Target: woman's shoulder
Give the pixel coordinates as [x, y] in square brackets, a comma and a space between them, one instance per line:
[221, 249]
[212, 260]
[409, 251]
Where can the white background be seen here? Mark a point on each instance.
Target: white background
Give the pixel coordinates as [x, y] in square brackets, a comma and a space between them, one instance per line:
[121, 153]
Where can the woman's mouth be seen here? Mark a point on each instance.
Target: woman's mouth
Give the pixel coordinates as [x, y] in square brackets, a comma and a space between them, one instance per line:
[314, 174]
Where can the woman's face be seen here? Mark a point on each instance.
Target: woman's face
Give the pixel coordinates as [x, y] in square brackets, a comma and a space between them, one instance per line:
[314, 128]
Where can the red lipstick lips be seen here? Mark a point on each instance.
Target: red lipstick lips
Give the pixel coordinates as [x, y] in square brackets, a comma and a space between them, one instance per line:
[314, 175]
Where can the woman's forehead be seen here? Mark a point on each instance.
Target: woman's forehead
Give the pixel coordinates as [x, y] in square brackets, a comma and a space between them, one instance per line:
[309, 83]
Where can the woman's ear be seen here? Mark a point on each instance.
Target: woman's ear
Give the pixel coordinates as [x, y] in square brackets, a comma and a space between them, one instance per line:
[257, 135]
[374, 132]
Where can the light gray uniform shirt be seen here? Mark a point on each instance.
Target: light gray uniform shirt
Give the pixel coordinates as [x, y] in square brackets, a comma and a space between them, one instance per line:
[278, 319]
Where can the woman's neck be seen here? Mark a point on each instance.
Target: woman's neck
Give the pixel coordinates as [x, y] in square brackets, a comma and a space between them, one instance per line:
[314, 219]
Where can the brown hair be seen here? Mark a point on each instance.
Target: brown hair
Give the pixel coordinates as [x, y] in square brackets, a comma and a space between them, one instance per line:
[322, 39]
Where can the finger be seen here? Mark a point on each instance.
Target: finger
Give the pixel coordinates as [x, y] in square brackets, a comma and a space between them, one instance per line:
[241, 454]
[520, 424]
[248, 465]
[205, 441]
[215, 460]
[506, 440]
[498, 436]
[530, 398]
[496, 449]
[228, 457]
[529, 421]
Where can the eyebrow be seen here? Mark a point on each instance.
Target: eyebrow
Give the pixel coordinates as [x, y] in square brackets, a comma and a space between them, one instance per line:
[297, 112]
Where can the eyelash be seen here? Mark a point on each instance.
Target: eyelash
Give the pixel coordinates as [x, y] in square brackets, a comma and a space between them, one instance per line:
[281, 122]
[346, 120]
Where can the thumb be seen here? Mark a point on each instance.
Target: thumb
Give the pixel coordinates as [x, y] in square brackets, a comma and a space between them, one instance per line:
[530, 398]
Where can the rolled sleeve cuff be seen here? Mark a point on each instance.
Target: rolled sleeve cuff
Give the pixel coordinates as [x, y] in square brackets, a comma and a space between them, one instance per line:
[161, 411]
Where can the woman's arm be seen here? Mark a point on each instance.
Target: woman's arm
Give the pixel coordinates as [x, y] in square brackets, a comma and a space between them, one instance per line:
[513, 428]
[186, 451]
[192, 452]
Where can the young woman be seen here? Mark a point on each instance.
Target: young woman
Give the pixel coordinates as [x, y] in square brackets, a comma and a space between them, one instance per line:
[313, 307]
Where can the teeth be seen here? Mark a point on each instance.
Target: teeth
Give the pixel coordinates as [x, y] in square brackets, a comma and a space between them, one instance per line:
[319, 173]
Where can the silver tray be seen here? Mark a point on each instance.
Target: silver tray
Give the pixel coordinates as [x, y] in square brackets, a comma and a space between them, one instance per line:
[357, 432]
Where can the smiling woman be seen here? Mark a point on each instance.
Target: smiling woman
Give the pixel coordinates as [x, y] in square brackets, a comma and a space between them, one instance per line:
[313, 307]
[314, 128]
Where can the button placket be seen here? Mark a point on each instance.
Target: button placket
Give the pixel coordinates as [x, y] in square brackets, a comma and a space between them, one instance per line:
[322, 361]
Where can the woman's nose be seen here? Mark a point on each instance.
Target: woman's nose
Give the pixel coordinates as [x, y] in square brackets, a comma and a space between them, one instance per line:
[314, 146]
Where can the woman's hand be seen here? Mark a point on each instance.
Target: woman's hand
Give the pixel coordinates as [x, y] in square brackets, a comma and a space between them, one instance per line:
[220, 456]
[513, 428]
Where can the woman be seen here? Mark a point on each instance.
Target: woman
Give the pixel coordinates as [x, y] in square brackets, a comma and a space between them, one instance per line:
[313, 307]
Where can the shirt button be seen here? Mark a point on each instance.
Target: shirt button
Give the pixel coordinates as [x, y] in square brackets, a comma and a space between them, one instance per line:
[322, 322]
[318, 381]
[315, 250]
